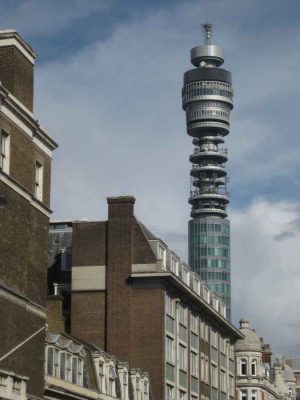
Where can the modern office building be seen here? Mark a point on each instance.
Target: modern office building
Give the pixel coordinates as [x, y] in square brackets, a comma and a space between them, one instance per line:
[133, 297]
[207, 101]
[257, 378]
[25, 169]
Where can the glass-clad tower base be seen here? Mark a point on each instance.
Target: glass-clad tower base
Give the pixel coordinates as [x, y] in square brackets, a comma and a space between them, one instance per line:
[209, 254]
[207, 99]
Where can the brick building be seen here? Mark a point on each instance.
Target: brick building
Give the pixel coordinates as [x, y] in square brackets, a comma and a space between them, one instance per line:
[25, 168]
[134, 297]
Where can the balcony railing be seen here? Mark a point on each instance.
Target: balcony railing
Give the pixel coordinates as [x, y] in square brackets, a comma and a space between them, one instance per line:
[12, 386]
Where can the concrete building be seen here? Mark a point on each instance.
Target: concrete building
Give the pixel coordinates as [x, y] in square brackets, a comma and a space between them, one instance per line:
[294, 363]
[133, 297]
[207, 99]
[25, 169]
[256, 377]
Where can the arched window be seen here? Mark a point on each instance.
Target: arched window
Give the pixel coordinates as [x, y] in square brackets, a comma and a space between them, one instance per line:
[254, 367]
[243, 367]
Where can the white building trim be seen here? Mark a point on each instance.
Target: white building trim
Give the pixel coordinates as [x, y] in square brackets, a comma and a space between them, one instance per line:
[21, 301]
[22, 192]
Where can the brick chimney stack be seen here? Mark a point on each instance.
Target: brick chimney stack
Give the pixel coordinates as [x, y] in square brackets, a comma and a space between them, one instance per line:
[17, 66]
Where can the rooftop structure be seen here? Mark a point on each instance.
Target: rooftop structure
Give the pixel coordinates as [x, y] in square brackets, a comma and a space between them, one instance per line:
[294, 364]
[256, 376]
[75, 369]
[207, 99]
[133, 296]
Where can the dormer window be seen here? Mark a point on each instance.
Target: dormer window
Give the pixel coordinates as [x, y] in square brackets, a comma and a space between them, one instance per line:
[137, 388]
[185, 275]
[125, 385]
[174, 265]
[243, 367]
[146, 390]
[101, 376]
[161, 253]
[63, 365]
[112, 381]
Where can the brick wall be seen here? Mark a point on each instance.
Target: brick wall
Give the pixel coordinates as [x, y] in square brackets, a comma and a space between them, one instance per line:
[55, 318]
[148, 335]
[88, 317]
[119, 264]
[23, 156]
[28, 360]
[89, 243]
[16, 74]
[23, 246]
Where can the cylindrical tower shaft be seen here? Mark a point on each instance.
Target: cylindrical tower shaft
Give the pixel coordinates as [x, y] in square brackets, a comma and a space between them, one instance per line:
[207, 99]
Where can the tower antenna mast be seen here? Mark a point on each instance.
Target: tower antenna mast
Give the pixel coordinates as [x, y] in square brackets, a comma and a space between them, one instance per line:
[208, 31]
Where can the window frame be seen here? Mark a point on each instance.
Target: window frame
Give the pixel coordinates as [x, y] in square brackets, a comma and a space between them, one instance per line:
[4, 151]
[39, 180]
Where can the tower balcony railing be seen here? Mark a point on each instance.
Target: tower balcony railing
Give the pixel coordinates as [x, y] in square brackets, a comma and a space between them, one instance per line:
[212, 210]
[207, 150]
[212, 192]
[218, 138]
[209, 165]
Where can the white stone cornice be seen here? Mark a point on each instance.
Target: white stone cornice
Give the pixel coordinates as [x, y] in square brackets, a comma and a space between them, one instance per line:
[22, 301]
[17, 113]
[24, 193]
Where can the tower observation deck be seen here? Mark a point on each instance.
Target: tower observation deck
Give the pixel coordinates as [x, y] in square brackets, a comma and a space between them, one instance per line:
[207, 99]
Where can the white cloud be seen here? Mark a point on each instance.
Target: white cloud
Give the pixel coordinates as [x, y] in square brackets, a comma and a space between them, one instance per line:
[266, 273]
[42, 17]
[114, 108]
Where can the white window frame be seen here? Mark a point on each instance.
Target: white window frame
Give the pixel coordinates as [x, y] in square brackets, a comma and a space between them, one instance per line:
[170, 305]
[4, 151]
[194, 364]
[174, 265]
[111, 379]
[182, 357]
[254, 367]
[161, 253]
[254, 395]
[170, 392]
[194, 323]
[39, 180]
[243, 361]
[182, 314]
[223, 381]
[214, 376]
[243, 395]
[170, 350]
[145, 389]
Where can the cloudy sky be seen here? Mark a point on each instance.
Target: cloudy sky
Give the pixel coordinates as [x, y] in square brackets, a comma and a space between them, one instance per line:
[108, 86]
